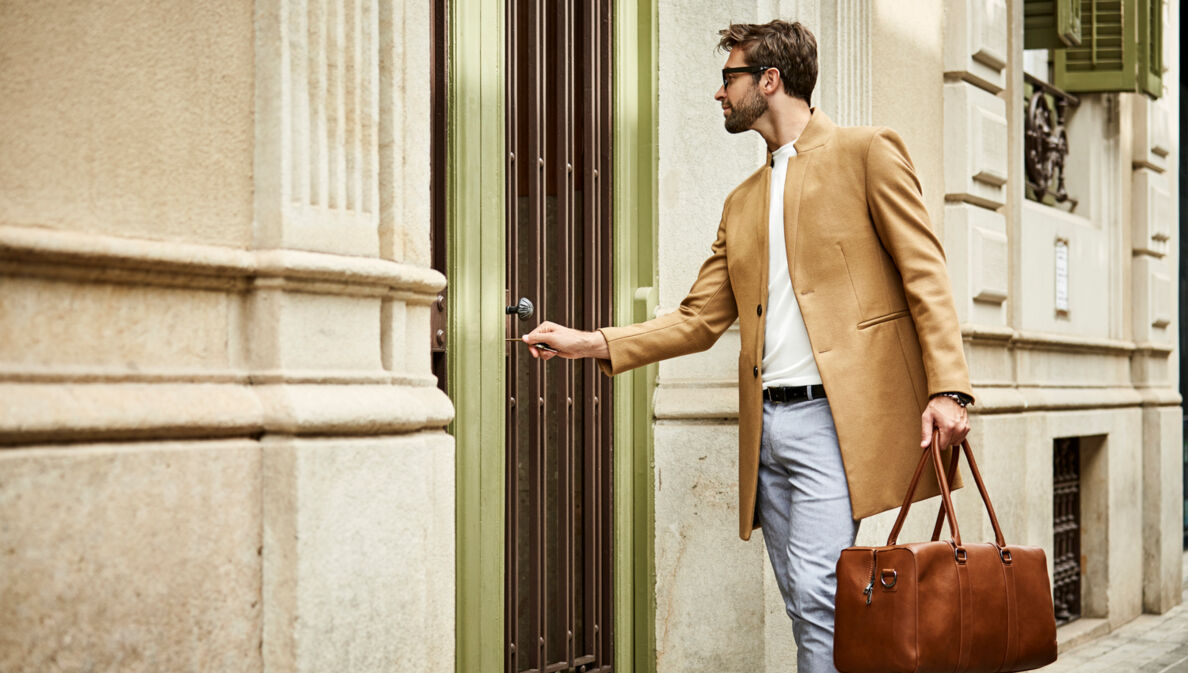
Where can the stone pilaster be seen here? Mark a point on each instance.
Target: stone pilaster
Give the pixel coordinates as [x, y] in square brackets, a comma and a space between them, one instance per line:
[976, 158]
[1152, 216]
[214, 338]
[358, 489]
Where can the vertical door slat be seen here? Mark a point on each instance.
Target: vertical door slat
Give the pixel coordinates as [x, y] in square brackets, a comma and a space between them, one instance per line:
[512, 583]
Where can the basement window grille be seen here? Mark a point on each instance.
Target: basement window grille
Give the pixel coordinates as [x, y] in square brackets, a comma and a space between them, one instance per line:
[1066, 527]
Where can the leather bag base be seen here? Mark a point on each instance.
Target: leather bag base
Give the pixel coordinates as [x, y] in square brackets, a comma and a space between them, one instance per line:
[943, 606]
[983, 616]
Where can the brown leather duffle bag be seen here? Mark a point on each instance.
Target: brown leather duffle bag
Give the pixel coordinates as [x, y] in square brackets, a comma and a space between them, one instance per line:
[943, 606]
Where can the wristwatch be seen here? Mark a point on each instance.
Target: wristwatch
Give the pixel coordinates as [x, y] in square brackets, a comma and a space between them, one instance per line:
[960, 398]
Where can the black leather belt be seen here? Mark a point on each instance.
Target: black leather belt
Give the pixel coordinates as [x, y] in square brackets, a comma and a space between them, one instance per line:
[794, 393]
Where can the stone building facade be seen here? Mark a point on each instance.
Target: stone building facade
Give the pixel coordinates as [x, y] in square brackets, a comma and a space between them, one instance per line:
[223, 446]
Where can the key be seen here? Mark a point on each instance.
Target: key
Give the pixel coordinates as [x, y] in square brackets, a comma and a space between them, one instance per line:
[541, 346]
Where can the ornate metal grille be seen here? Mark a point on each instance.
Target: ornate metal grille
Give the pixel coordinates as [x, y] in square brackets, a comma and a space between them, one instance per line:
[558, 519]
[1066, 526]
[1046, 145]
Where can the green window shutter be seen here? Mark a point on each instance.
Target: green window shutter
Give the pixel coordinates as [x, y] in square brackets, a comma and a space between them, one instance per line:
[1151, 47]
[1051, 24]
[1108, 56]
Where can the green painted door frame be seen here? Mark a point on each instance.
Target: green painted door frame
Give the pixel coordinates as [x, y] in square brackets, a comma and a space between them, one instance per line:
[475, 365]
[635, 161]
[475, 186]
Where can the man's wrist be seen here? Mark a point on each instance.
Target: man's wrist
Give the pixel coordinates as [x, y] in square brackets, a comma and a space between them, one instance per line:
[960, 398]
[596, 346]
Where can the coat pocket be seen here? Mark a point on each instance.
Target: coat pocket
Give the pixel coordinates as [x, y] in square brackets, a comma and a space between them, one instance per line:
[883, 318]
[878, 288]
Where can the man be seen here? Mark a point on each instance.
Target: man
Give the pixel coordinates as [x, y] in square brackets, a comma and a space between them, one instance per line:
[851, 354]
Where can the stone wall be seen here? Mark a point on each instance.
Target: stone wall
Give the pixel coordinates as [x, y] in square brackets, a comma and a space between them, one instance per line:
[223, 447]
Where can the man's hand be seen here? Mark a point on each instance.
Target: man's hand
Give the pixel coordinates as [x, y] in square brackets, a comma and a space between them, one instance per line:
[568, 343]
[950, 418]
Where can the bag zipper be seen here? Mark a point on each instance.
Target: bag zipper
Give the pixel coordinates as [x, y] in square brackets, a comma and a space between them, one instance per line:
[869, 590]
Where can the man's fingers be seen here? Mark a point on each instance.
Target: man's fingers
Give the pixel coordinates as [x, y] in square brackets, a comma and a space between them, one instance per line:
[544, 328]
[541, 333]
[926, 429]
[960, 434]
[946, 437]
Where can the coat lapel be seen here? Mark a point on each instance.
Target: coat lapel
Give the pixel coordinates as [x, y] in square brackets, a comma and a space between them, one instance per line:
[797, 168]
[755, 215]
[761, 229]
[816, 134]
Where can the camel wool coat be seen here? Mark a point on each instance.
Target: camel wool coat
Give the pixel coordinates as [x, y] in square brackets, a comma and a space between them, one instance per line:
[870, 278]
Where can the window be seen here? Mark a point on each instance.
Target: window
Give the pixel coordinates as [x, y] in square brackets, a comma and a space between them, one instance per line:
[1099, 45]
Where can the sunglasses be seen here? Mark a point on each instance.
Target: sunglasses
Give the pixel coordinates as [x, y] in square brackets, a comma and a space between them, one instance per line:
[752, 69]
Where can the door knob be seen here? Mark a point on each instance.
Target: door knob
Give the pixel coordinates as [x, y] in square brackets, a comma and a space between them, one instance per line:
[524, 309]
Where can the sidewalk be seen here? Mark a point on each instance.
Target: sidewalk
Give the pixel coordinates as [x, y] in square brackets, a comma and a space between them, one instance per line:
[1149, 644]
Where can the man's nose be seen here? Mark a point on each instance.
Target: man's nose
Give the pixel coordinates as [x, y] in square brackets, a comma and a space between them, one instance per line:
[720, 94]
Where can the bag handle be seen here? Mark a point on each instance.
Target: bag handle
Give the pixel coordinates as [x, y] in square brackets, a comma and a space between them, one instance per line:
[940, 511]
[946, 502]
[946, 495]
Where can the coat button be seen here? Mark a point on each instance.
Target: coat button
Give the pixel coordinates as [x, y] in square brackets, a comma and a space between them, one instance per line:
[756, 370]
[759, 309]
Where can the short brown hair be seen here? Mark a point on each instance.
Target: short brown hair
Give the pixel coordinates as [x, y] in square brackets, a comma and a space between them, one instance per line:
[788, 46]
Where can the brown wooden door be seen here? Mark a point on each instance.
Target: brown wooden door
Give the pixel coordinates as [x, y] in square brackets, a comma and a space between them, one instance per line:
[558, 520]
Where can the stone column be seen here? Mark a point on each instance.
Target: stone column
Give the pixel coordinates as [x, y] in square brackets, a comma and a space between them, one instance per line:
[1152, 216]
[358, 476]
[223, 446]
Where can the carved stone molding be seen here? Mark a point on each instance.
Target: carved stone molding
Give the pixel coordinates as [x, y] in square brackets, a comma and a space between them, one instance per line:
[1152, 299]
[976, 43]
[1151, 212]
[96, 257]
[57, 411]
[317, 125]
[1152, 135]
[976, 240]
[975, 146]
[851, 51]
[171, 340]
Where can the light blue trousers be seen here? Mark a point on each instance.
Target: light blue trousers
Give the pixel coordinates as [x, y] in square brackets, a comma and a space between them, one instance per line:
[804, 508]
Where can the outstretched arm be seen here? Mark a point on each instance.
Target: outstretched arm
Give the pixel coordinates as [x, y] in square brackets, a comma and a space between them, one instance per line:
[702, 317]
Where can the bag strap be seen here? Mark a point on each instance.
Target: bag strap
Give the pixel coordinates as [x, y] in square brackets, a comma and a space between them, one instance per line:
[933, 451]
[940, 510]
[946, 509]
[977, 475]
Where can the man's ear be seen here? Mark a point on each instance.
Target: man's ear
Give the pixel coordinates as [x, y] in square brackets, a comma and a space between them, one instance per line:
[774, 81]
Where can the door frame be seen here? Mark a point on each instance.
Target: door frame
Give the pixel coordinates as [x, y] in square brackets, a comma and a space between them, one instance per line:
[475, 210]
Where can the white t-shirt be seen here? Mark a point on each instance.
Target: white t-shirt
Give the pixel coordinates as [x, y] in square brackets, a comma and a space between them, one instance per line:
[787, 353]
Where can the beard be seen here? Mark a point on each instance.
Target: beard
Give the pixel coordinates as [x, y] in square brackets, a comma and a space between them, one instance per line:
[743, 115]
